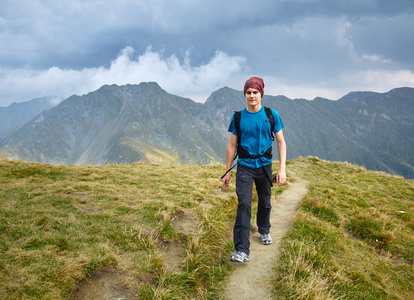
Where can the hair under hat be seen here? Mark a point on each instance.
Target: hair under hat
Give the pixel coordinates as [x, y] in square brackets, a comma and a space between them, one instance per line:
[256, 83]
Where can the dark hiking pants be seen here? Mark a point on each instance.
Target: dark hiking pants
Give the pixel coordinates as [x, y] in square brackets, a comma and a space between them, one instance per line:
[245, 177]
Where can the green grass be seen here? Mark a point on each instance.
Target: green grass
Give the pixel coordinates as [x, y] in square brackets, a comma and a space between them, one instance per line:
[353, 237]
[60, 223]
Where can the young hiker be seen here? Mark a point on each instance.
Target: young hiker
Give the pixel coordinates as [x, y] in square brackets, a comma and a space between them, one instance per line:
[254, 165]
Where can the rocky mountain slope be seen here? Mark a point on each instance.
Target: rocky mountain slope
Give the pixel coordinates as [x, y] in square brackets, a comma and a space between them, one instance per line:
[119, 124]
[122, 124]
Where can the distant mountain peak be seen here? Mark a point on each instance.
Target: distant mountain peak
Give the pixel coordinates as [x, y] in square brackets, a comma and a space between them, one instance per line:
[361, 95]
[120, 124]
[357, 96]
[17, 114]
[402, 92]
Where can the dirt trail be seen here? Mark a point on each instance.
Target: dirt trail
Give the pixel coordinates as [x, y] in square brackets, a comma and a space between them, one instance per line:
[252, 280]
[249, 281]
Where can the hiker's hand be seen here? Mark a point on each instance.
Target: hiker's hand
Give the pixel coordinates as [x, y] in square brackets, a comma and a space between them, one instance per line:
[226, 180]
[281, 177]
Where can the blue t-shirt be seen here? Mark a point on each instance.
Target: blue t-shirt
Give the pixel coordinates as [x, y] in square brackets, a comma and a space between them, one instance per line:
[255, 135]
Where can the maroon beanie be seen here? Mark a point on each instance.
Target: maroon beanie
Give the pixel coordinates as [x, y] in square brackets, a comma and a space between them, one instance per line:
[254, 83]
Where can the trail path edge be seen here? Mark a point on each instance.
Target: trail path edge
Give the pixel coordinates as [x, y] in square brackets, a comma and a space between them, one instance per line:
[252, 280]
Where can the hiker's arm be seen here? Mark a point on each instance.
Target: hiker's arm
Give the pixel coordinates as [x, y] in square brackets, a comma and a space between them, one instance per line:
[231, 151]
[281, 147]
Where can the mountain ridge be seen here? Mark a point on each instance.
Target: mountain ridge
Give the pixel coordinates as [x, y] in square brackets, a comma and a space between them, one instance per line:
[122, 124]
[116, 125]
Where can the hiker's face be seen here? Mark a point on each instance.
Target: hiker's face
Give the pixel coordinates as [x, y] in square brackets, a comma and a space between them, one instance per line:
[253, 97]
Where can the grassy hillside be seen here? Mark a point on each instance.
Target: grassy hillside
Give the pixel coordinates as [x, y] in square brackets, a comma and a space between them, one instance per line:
[61, 223]
[164, 232]
[353, 237]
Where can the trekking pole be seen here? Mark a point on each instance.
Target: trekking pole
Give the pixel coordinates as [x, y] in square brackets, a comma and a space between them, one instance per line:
[228, 171]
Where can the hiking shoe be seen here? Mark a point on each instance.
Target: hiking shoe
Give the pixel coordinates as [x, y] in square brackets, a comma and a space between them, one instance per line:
[239, 257]
[266, 239]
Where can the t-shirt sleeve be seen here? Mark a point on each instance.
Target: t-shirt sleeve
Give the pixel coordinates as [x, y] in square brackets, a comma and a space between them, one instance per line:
[232, 127]
[278, 121]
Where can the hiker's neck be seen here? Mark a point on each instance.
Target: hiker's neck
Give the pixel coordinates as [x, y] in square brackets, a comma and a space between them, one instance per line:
[254, 108]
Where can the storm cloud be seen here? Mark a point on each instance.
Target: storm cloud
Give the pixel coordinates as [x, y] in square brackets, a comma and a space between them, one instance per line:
[302, 48]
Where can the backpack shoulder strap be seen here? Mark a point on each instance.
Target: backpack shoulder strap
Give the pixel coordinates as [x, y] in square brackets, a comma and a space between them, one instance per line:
[237, 117]
[269, 115]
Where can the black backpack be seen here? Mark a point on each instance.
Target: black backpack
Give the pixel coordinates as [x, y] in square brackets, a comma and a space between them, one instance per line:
[243, 153]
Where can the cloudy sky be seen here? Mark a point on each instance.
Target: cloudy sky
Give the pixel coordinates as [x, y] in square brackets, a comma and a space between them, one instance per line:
[301, 48]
